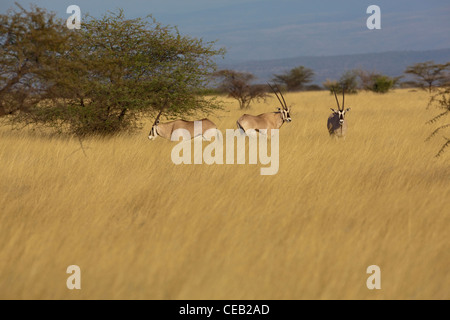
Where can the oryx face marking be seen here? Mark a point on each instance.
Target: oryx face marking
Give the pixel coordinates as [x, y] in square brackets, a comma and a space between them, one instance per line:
[285, 114]
[154, 131]
[341, 115]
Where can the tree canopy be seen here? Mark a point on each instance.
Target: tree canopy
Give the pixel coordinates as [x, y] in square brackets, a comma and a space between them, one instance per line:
[238, 85]
[31, 43]
[295, 79]
[429, 74]
[106, 76]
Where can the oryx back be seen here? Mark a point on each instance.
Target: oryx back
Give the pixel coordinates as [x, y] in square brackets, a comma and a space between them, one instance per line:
[266, 121]
[190, 126]
[165, 130]
[271, 120]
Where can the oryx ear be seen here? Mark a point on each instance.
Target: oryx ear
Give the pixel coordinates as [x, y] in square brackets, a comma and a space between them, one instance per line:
[348, 109]
[157, 122]
[333, 110]
[279, 109]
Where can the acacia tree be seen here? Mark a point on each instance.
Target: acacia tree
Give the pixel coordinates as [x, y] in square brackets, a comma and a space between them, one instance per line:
[238, 86]
[30, 43]
[115, 70]
[441, 99]
[429, 74]
[295, 79]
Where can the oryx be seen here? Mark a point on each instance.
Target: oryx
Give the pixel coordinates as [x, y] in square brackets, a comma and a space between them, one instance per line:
[165, 130]
[337, 125]
[268, 121]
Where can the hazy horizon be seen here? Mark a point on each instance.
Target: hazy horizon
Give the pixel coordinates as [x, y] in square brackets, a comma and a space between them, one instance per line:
[269, 30]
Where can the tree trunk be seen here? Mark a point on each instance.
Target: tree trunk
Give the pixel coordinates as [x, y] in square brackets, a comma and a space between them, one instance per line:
[122, 114]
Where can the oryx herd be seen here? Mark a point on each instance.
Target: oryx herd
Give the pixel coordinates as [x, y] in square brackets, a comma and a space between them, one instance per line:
[336, 124]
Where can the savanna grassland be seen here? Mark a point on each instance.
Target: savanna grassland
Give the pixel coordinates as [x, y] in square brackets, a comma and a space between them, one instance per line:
[141, 227]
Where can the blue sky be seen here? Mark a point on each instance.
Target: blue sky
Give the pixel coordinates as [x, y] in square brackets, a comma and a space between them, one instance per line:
[268, 29]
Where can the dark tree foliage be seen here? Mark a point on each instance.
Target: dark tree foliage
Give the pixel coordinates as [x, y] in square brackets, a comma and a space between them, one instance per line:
[295, 79]
[105, 77]
[31, 43]
[238, 86]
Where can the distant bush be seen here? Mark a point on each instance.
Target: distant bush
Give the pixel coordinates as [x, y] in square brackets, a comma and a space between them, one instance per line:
[376, 82]
[331, 85]
[295, 79]
[313, 87]
[408, 85]
[347, 82]
[238, 85]
[382, 84]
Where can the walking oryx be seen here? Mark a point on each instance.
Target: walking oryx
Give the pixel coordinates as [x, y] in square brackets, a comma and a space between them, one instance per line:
[268, 121]
[337, 125]
[165, 130]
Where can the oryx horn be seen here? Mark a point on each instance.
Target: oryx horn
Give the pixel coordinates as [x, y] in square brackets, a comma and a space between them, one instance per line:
[274, 91]
[157, 117]
[343, 98]
[337, 101]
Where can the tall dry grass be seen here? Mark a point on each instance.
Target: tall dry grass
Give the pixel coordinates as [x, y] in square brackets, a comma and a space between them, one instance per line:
[140, 227]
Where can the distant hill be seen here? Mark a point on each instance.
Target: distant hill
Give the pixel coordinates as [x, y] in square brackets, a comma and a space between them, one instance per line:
[332, 67]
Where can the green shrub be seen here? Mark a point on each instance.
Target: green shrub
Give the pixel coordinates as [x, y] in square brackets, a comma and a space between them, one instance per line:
[382, 84]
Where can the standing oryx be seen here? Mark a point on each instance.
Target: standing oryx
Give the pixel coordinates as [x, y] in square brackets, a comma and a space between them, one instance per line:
[337, 125]
[165, 130]
[267, 121]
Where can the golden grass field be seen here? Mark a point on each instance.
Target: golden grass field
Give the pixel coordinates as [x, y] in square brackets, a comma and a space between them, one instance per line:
[140, 227]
